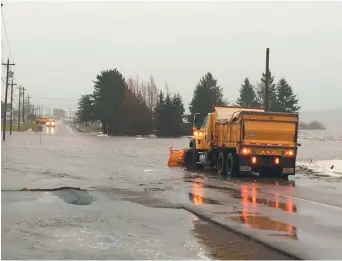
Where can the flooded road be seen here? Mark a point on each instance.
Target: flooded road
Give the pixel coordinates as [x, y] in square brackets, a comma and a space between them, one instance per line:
[82, 196]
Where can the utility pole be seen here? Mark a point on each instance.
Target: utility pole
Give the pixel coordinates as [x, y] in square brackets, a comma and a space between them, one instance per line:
[49, 112]
[23, 89]
[11, 117]
[6, 93]
[266, 102]
[19, 109]
[28, 107]
[28, 104]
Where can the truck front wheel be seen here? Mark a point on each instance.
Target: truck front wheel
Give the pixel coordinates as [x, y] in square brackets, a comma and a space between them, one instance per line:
[221, 165]
[190, 160]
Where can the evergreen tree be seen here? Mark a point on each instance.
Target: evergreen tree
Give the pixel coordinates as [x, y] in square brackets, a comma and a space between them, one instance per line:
[177, 114]
[168, 116]
[272, 96]
[109, 91]
[85, 112]
[159, 113]
[247, 95]
[286, 99]
[206, 94]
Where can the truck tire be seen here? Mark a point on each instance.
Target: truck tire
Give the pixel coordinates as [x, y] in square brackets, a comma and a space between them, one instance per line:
[190, 160]
[231, 165]
[221, 165]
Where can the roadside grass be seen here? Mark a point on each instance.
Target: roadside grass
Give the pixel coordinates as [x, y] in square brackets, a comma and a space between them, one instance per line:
[23, 126]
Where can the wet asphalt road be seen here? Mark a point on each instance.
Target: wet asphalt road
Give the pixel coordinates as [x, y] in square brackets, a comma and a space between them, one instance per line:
[130, 205]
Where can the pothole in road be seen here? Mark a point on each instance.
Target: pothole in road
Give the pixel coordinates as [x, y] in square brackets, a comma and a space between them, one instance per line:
[70, 195]
[50, 189]
[74, 197]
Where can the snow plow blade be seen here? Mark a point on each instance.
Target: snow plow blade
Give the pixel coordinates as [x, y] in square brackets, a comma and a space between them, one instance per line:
[176, 158]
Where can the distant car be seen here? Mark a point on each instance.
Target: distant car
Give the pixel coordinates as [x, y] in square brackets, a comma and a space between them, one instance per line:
[51, 123]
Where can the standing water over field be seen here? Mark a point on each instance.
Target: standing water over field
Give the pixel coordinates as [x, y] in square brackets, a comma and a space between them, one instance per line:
[119, 176]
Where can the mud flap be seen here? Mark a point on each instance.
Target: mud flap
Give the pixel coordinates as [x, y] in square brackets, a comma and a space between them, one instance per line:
[176, 158]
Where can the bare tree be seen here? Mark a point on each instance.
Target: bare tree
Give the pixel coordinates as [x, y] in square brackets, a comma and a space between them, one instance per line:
[166, 87]
[130, 84]
[152, 93]
[143, 91]
[147, 89]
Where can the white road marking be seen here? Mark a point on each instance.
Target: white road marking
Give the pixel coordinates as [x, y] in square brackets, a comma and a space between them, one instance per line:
[310, 201]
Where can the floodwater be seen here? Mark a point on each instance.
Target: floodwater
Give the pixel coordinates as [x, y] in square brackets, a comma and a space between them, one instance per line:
[67, 195]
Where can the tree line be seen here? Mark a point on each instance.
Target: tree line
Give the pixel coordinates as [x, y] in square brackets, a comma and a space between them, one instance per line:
[281, 97]
[133, 107]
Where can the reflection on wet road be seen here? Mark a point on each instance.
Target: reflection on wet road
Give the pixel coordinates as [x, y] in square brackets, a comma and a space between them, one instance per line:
[269, 216]
[129, 195]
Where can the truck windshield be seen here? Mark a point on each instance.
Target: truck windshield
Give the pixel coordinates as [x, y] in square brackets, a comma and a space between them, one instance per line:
[198, 120]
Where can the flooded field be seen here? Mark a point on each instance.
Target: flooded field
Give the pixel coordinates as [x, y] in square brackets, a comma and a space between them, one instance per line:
[82, 196]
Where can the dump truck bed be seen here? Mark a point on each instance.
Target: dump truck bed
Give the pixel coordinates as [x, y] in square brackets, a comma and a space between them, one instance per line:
[270, 129]
[255, 127]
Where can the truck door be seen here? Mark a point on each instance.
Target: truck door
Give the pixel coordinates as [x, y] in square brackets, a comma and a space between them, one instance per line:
[207, 131]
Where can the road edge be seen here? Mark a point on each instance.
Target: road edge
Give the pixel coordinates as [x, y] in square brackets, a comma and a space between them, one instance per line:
[238, 230]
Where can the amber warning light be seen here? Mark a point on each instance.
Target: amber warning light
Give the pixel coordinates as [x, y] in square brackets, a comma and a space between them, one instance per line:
[198, 133]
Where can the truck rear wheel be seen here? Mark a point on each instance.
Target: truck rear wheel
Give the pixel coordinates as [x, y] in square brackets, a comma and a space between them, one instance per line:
[231, 165]
[221, 165]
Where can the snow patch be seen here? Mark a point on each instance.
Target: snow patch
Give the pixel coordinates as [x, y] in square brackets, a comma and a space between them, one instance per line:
[332, 168]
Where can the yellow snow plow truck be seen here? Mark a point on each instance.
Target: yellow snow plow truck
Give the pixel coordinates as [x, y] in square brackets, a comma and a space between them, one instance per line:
[241, 140]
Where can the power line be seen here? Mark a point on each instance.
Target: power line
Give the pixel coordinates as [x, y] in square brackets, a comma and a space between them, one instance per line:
[9, 45]
[50, 98]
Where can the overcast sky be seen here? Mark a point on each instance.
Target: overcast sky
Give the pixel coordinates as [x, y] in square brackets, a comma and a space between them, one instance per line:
[59, 47]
